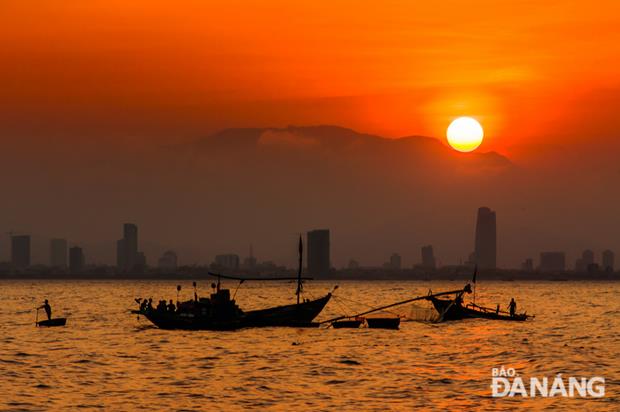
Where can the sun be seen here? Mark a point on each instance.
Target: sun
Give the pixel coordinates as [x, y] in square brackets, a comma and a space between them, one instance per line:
[465, 134]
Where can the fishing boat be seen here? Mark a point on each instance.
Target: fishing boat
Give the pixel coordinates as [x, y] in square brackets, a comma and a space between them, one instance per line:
[52, 322]
[454, 309]
[383, 323]
[375, 322]
[348, 323]
[221, 312]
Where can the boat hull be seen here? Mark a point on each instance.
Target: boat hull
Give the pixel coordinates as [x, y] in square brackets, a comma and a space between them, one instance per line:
[52, 322]
[459, 312]
[296, 315]
[347, 324]
[383, 323]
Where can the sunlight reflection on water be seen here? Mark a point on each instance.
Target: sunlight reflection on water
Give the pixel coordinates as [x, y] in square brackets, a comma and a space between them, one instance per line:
[106, 358]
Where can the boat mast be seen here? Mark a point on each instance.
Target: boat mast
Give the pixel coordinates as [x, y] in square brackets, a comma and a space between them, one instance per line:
[299, 284]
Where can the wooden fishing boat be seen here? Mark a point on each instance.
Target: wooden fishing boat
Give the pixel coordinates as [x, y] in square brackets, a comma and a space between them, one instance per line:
[297, 315]
[220, 312]
[52, 322]
[347, 324]
[383, 323]
[454, 309]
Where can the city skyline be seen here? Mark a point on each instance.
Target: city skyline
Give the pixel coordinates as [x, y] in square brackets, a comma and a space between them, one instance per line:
[317, 254]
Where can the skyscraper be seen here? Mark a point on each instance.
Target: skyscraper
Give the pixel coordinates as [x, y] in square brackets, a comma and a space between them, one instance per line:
[127, 256]
[527, 265]
[20, 251]
[608, 261]
[58, 253]
[76, 260]
[250, 262]
[318, 252]
[396, 262]
[428, 257]
[586, 260]
[486, 239]
[227, 261]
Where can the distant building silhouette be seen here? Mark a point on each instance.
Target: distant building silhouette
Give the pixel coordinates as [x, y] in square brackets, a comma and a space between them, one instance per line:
[227, 261]
[168, 262]
[76, 260]
[527, 265]
[588, 257]
[608, 261]
[585, 261]
[318, 252]
[428, 257]
[552, 262]
[58, 253]
[580, 267]
[486, 239]
[127, 256]
[20, 251]
[396, 262]
[250, 262]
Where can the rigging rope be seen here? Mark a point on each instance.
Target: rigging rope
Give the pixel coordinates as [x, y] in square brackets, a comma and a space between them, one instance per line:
[365, 304]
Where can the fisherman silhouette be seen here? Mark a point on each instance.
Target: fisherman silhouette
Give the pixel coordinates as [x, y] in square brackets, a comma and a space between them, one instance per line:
[48, 309]
[512, 306]
[171, 307]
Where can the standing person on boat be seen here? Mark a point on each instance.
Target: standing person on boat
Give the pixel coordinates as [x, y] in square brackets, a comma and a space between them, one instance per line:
[48, 309]
[171, 307]
[512, 306]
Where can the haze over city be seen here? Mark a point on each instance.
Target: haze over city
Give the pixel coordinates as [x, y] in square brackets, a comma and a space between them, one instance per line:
[116, 113]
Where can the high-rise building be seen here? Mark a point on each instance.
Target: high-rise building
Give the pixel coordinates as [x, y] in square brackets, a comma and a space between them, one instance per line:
[227, 261]
[580, 267]
[586, 260]
[76, 260]
[20, 251]
[552, 262]
[318, 252]
[486, 239]
[396, 262]
[58, 253]
[527, 265]
[140, 263]
[428, 257]
[608, 261]
[127, 256]
[250, 262]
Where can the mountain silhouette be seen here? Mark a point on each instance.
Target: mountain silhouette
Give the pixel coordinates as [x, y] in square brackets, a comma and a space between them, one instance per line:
[264, 186]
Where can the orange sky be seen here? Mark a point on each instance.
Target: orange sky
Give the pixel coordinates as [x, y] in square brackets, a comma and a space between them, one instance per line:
[530, 71]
